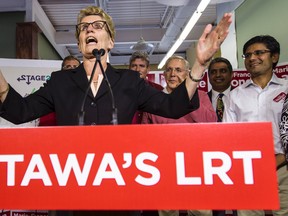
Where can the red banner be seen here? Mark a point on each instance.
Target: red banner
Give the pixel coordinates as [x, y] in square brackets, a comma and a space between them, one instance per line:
[172, 166]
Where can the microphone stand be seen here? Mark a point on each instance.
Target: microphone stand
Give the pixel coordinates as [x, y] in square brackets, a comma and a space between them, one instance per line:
[114, 109]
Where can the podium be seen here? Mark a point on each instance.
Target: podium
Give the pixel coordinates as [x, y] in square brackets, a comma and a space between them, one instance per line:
[130, 167]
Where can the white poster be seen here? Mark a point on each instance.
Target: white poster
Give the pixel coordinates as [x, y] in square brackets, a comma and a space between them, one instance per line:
[26, 76]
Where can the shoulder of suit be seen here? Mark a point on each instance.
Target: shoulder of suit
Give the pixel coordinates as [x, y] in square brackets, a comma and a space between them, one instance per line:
[155, 85]
[209, 93]
[123, 70]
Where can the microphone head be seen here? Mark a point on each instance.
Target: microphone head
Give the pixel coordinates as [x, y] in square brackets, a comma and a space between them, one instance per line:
[102, 52]
[97, 52]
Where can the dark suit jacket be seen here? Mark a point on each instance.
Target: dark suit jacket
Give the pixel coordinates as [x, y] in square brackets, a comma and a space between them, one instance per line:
[210, 95]
[64, 93]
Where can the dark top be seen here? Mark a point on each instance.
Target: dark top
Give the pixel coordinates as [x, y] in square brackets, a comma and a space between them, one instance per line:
[137, 119]
[64, 93]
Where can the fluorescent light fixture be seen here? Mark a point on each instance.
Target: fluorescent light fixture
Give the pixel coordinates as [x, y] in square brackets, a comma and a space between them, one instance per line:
[202, 5]
[189, 26]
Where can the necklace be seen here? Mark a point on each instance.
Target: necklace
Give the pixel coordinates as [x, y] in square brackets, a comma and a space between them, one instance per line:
[95, 83]
[96, 80]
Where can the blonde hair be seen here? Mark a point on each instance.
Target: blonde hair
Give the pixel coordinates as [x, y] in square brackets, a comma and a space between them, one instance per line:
[93, 10]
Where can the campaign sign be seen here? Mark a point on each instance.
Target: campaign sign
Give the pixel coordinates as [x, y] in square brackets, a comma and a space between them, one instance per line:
[176, 166]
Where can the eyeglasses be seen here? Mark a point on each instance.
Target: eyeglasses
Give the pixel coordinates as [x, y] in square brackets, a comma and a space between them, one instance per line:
[256, 53]
[98, 25]
[178, 70]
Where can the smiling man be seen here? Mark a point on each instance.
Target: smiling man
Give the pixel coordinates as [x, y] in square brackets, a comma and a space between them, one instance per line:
[261, 99]
[220, 75]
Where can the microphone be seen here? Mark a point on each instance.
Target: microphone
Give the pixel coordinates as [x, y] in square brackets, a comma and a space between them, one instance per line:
[98, 53]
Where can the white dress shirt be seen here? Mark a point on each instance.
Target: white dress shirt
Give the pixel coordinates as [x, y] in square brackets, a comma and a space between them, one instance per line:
[251, 103]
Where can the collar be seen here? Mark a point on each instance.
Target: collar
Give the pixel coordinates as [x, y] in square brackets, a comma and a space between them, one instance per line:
[216, 93]
[165, 90]
[274, 80]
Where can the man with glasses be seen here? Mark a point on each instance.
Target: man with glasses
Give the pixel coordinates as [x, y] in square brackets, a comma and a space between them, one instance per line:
[261, 99]
[176, 71]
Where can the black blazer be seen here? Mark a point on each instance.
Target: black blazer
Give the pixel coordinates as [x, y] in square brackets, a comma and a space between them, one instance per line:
[64, 93]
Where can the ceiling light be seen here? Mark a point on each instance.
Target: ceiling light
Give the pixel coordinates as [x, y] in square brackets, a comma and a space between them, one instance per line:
[173, 2]
[142, 45]
[189, 26]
